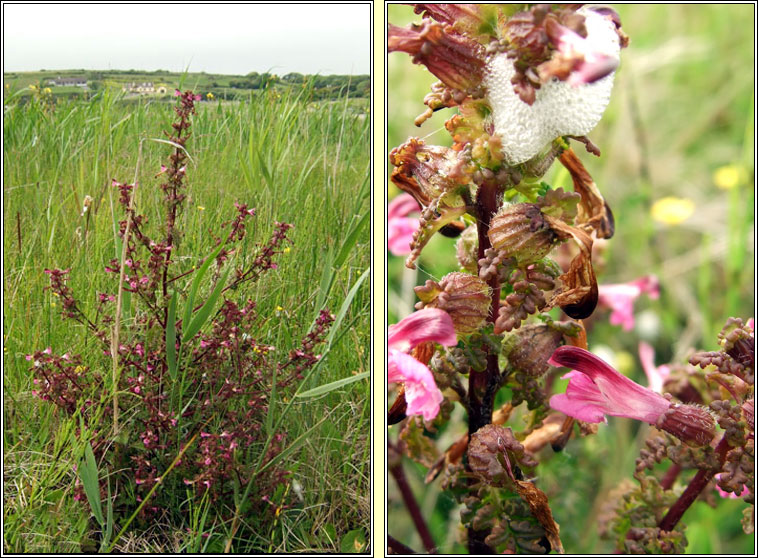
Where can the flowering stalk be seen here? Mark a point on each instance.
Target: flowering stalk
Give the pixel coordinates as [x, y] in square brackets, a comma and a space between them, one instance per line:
[523, 82]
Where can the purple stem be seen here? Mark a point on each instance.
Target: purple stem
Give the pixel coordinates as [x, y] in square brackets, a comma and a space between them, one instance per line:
[696, 486]
[397, 547]
[410, 503]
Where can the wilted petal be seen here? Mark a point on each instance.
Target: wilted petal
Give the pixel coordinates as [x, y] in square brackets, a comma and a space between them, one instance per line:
[422, 395]
[427, 172]
[454, 58]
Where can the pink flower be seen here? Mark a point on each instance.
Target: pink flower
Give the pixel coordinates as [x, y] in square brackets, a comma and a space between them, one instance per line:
[656, 375]
[620, 298]
[400, 227]
[422, 395]
[595, 389]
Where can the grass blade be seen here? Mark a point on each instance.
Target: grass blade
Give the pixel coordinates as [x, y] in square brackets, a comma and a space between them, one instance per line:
[346, 306]
[199, 274]
[171, 338]
[205, 311]
[351, 240]
[331, 386]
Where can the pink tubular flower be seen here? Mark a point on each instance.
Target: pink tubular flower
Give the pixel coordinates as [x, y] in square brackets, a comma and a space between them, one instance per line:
[620, 298]
[656, 375]
[422, 395]
[400, 227]
[595, 389]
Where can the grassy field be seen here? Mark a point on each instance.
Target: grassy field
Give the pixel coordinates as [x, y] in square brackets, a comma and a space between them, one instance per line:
[295, 161]
[681, 118]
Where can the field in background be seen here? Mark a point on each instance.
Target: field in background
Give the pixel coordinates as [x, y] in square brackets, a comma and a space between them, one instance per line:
[294, 160]
[681, 110]
[222, 86]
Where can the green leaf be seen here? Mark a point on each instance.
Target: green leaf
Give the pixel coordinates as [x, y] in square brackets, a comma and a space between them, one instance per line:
[205, 311]
[171, 337]
[331, 386]
[199, 274]
[346, 306]
[353, 542]
[88, 476]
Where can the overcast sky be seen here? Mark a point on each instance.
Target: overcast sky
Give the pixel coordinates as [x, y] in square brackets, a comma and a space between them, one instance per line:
[213, 38]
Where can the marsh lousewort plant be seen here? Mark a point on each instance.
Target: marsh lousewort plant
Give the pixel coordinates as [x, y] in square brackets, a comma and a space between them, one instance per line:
[525, 83]
[184, 410]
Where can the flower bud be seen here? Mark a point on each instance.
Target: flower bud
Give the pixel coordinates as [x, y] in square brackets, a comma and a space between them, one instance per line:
[521, 232]
[530, 347]
[693, 425]
[466, 298]
[484, 447]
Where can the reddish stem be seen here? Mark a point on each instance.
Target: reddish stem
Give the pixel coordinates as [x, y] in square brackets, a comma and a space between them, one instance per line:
[410, 503]
[397, 547]
[696, 486]
[668, 479]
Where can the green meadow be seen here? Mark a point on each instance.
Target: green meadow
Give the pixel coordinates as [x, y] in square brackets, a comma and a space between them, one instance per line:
[293, 159]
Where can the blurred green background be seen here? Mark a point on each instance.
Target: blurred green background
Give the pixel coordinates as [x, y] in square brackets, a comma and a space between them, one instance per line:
[677, 168]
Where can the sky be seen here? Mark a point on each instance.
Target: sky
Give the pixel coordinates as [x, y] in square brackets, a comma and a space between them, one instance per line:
[214, 38]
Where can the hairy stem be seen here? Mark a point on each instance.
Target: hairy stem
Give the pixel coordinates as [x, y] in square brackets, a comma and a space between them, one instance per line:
[483, 385]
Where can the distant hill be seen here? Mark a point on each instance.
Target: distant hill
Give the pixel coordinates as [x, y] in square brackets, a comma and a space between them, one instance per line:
[163, 83]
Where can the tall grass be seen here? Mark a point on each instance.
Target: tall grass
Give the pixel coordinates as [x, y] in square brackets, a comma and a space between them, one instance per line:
[293, 160]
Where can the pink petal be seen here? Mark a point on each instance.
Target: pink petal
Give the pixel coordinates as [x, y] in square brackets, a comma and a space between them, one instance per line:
[656, 375]
[429, 324]
[402, 206]
[400, 234]
[422, 395]
[624, 397]
[582, 399]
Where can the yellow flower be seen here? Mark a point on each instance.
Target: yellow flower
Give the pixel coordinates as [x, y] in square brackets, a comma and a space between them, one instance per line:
[729, 176]
[286, 249]
[209, 96]
[279, 308]
[48, 90]
[201, 208]
[672, 211]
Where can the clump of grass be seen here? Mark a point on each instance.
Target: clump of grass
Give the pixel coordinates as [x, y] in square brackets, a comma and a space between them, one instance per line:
[190, 409]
